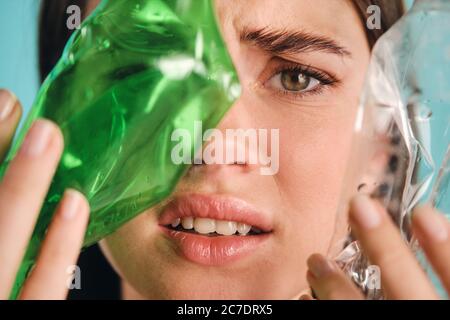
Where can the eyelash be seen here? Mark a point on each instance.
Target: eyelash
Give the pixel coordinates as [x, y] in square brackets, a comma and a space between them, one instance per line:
[325, 79]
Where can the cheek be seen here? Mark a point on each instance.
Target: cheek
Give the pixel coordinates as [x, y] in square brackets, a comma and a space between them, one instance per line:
[315, 160]
[313, 157]
[128, 248]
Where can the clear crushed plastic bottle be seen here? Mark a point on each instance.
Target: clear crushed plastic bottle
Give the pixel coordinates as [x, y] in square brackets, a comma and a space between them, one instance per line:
[401, 148]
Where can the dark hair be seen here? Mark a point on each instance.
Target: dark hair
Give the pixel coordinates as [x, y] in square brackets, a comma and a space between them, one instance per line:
[391, 12]
[53, 33]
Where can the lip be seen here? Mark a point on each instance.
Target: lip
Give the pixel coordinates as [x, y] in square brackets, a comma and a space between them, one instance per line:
[214, 251]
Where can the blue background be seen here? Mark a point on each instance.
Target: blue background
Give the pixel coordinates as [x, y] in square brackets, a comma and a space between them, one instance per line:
[18, 49]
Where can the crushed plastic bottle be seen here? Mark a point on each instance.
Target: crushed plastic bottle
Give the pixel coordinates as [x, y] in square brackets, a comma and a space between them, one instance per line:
[134, 72]
[401, 149]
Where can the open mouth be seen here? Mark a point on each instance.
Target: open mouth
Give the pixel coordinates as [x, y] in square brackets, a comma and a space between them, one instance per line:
[212, 227]
[214, 230]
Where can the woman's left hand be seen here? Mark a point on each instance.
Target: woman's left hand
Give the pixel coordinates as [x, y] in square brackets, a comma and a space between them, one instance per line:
[401, 275]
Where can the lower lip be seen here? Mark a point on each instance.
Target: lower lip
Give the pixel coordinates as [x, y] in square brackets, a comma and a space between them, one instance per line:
[214, 251]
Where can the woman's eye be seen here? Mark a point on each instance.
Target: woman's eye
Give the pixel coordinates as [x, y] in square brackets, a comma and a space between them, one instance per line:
[294, 81]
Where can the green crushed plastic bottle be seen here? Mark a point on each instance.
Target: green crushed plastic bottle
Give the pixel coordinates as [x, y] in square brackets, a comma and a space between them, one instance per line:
[135, 71]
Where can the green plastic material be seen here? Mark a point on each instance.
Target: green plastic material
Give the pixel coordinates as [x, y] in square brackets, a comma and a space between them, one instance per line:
[134, 72]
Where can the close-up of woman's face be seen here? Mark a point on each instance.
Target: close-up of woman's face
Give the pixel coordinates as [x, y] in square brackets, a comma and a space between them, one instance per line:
[301, 71]
[225, 150]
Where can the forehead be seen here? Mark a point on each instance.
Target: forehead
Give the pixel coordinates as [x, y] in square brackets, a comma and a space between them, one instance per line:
[335, 18]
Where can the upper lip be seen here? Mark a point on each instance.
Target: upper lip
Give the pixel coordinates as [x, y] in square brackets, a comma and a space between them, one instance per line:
[215, 207]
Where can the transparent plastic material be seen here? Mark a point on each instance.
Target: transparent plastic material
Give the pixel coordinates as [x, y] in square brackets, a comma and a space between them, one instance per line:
[401, 148]
[134, 72]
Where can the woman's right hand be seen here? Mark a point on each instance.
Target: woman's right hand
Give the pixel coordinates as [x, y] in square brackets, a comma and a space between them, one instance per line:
[22, 192]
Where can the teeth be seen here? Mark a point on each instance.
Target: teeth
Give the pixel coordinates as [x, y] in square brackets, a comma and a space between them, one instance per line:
[176, 222]
[204, 226]
[221, 227]
[187, 223]
[243, 228]
[226, 228]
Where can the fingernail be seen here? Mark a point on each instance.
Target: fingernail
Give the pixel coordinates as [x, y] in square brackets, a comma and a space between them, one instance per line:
[70, 204]
[431, 224]
[306, 297]
[38, 138]
[7, 102]
[320, 266]
[364, 212]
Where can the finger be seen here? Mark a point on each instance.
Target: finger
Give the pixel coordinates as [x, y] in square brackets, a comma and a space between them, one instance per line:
[10, 113]
[432, 230]
[51, 277]
[306, 297]
[22, 191]
[329, 282]
[401, 275]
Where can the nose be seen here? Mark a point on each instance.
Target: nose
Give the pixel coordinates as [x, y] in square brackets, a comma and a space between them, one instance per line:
[237, 117]
[233, 144]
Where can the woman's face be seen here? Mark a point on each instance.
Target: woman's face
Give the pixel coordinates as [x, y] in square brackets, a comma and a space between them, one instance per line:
[301, 64]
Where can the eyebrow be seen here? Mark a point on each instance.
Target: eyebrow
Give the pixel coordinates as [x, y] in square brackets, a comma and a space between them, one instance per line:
[282, 42]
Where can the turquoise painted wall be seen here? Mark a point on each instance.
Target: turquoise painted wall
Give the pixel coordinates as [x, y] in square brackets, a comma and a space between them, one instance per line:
[18, 48]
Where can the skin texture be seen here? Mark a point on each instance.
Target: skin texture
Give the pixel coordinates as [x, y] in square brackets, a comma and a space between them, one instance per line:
[315, 131]
[310, 164]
